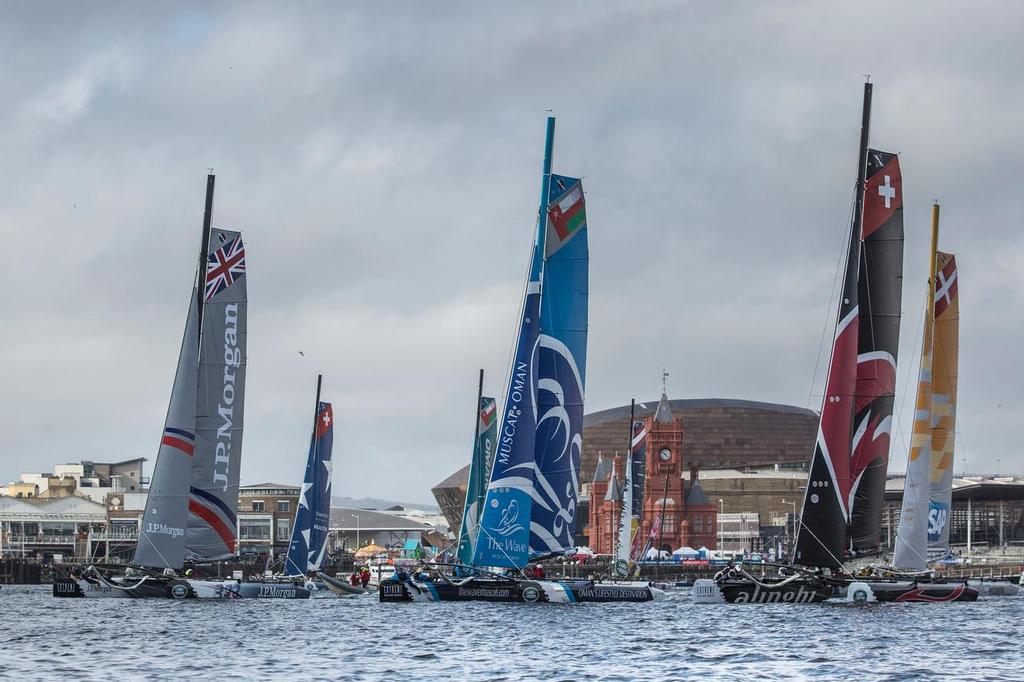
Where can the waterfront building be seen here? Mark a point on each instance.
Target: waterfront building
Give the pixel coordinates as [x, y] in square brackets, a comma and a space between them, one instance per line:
[266, 513]
[94, 480]
[351, 529]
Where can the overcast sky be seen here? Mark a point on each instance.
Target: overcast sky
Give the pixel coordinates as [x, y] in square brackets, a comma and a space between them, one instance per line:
[383, 163]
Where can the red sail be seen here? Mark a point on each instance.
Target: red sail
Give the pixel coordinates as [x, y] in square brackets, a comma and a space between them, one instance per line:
[880, 288]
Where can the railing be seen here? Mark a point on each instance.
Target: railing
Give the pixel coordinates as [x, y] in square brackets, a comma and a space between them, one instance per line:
[15, 541]
[115, 536]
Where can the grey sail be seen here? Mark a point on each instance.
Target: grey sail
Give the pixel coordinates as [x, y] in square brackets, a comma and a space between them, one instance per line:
[162, 533]
[220, 402]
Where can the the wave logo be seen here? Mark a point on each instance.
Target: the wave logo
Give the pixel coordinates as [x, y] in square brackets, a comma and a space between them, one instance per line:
[509, 521]
[938, 515]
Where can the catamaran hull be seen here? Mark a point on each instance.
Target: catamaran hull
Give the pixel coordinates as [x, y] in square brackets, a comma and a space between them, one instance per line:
[918, 591]
[749, 592]
[159, 588]
[517, 591]
[340, 587]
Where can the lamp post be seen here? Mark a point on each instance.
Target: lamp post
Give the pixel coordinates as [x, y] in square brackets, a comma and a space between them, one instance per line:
[357, 530]
[718, 525]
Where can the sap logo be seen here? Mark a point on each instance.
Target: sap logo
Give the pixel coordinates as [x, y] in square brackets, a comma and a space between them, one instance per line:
[937, 518]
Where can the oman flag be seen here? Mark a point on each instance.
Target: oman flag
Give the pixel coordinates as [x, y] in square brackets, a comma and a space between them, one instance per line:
[568, 212]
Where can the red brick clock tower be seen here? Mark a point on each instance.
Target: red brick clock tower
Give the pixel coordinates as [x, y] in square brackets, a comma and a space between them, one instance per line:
[663, 488]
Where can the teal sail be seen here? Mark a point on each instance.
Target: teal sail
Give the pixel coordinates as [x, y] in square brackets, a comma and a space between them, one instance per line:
[531, 503]
[479, 475]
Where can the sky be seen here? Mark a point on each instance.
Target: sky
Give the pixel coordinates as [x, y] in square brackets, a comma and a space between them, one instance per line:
[383, 162]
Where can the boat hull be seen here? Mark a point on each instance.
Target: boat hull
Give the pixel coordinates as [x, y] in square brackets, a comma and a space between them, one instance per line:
[340, 587]
[516, 591]
[921, 591]
[176, 588]
[742, 591]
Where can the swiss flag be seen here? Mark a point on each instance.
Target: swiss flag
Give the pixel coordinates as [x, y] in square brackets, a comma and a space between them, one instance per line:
[883, 192]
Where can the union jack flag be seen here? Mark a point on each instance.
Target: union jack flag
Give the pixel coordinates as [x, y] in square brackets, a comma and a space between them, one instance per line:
[224, 266]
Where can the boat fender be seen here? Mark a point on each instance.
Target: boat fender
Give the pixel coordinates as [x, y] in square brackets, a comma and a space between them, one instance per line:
[179, 589]
[859, 593]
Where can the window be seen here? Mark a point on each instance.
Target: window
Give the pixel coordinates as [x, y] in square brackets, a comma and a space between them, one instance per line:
[253, 529]
[283, 506]
[282, 527]
[257, 505]
[698, 524]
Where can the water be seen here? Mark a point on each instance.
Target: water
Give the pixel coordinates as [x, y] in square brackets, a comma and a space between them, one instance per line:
[360, 639]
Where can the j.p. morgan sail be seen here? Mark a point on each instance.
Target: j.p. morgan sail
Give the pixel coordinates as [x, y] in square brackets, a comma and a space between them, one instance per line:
[530, 507]
[162, 533]
[220, 402]
[312, 518]
[479, 475]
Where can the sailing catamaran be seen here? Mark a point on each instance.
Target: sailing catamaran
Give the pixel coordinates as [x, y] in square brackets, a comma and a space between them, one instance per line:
[190, 510]
[842, 506]
[529, 510]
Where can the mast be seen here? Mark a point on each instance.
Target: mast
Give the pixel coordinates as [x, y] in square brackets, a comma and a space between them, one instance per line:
[545, 187]
[316, 408]
[203, 251]
[476, 439]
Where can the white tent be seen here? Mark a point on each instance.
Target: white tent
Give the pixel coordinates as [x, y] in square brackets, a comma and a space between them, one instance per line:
[686, 552]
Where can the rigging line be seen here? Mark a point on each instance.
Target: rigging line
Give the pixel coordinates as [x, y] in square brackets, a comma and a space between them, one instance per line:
[831, 302]
[816, 539]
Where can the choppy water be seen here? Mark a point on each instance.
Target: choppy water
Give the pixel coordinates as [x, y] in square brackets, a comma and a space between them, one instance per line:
[361, 639]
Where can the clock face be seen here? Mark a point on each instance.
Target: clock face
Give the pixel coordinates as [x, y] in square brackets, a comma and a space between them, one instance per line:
[665, 454]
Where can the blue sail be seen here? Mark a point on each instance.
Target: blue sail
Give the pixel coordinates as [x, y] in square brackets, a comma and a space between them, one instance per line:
[531, 502]
[309, 535]
[558, 369]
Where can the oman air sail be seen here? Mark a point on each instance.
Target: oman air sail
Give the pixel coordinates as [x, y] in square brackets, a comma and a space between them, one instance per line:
[312, 518]
[531, 503]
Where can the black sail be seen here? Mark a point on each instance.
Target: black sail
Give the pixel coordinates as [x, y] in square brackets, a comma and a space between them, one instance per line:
[880, 287]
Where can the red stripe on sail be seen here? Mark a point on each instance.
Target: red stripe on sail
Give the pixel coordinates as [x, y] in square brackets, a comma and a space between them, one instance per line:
[837, 412]
[874, 378]
[173, 442]
[883, 195]
[211, 518]
[869, 449]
